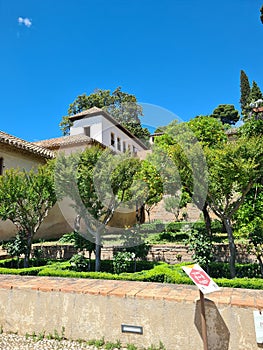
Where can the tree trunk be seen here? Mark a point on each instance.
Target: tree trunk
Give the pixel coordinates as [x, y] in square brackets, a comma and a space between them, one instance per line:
[28, 251]
[207, 220]
[97, 251]
[232, 247]
[260, 264]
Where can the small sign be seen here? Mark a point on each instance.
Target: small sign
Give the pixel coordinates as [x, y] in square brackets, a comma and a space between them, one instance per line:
[258, 321]
[201, 278]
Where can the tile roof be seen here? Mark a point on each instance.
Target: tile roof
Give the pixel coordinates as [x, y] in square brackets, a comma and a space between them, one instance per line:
[65, 141]
[90, 111]
[258, 109]
[30, 147]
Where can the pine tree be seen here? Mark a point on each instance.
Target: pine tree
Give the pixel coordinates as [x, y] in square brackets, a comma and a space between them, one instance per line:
[244, 90]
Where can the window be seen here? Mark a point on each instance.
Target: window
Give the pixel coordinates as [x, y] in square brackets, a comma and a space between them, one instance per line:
[118, 144]
[124, 146]
[1, 166]
[112, 139]
[134, 150]
[87, 130]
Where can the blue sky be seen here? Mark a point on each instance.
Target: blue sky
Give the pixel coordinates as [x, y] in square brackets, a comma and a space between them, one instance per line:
[183, 56]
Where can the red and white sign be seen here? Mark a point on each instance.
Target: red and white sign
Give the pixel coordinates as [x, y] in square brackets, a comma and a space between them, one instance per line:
[201, 278]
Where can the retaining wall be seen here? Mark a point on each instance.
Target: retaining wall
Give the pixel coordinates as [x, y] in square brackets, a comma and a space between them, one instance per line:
[168, 253]
[91, 309]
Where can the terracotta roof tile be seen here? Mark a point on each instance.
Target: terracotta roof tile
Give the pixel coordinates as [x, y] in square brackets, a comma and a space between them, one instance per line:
[25, 145]
[65, 141]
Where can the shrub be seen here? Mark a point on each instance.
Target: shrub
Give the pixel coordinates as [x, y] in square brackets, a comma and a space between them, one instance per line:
[79, 263]
[121, 262]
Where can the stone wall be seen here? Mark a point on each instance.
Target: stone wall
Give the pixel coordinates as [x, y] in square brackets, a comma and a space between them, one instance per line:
[169, 253]
[92, 309]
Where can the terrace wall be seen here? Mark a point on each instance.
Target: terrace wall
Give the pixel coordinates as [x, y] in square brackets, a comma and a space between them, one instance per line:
[92, 309]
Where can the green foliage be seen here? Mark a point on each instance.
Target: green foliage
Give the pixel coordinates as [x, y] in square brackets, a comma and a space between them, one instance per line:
[180, 146]
[161, 272]
[261, 14]
[232, 172]
[26, 198]
[121, 261]
[208, 130]
[255, 93]
[244, 90]
[123, 107]
[251, 128]
[131, 347]
[251, 208]
[219, 269]
[150, 191]
[17, 246]
[227, 114]
[112, 346]
[79, 263]
[160, 347]
[99, 183]
[199, 242]
[81, 243]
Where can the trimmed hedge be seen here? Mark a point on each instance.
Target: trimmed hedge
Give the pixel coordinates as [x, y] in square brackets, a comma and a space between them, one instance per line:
[162, 273]
[218, 270]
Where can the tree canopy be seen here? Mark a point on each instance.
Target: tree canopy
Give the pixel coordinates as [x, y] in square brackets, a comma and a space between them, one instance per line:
[227, 114]
[26, 198]
[244, 90]
[120, 105]
[101, 184]
[209, 131]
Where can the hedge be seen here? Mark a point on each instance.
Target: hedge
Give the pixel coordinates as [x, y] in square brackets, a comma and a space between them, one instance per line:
[162, 273]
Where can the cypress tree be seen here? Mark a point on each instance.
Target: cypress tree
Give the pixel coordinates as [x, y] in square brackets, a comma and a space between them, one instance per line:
[255, 93]
[244, 90]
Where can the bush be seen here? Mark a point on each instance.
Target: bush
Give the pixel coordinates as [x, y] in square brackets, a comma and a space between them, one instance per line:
[121, 261]
[79, 263]
[218, 270]
[174, 226]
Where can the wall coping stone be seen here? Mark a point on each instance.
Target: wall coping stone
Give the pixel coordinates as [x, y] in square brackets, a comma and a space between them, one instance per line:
[244, 298]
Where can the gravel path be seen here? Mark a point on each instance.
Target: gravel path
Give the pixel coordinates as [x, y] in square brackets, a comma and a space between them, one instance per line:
[17, 342]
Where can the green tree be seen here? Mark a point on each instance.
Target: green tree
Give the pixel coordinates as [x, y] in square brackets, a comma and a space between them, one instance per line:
[120, 105]
[174, 203]
[209, 131]
[99, 184]
[251, 128]
[233, 170]
[16, 246]
[26, 198]
[150, 192]
[227, 114]
[244, 90]
[255, 93]
[255, 100]
[256, 241]
[80, 242]
[181, 145]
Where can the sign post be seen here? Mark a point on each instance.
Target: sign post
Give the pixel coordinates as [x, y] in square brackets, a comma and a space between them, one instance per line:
[203, 320]
[205, 285]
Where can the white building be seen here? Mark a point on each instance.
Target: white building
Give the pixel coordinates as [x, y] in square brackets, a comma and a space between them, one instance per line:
[100, 126]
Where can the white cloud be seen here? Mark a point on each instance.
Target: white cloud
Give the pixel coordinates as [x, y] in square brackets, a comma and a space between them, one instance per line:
[26, 21]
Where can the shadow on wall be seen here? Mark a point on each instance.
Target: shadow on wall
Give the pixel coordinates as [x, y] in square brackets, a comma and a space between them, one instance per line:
[218, 335]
